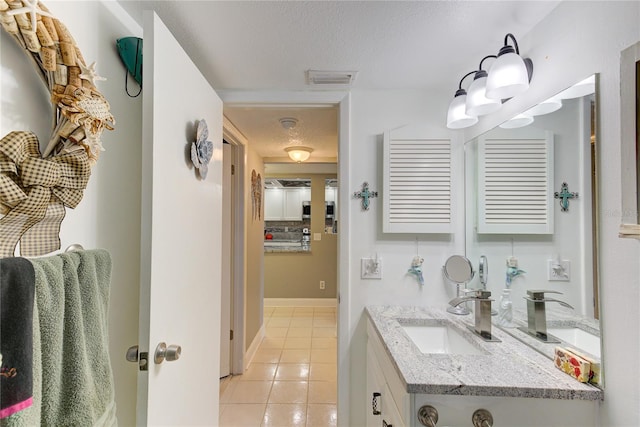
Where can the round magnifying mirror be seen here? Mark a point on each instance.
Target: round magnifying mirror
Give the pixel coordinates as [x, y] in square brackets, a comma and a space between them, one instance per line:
[458, 269]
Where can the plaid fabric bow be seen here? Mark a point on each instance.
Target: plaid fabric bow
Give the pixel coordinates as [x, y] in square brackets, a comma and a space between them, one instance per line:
[34, 192]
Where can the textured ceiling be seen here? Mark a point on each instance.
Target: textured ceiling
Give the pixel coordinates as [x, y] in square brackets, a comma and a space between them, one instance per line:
[267, 45]
[316, 128]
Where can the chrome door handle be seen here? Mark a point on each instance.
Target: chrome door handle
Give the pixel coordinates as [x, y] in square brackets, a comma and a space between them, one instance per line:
[169, 354]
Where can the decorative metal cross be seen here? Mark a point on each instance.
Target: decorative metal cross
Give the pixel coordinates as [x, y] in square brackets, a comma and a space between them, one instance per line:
[365, 195]
[564, 195]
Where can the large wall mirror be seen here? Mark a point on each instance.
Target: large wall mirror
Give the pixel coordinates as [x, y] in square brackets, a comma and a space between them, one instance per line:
[512, 175]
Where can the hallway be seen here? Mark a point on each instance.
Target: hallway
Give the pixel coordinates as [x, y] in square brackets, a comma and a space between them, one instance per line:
[292, 380]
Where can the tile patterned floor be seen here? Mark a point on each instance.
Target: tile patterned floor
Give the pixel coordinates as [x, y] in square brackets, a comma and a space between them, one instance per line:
[292, 380]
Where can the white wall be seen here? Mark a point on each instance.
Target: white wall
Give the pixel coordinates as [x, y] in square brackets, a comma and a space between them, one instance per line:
[109, 215]
[373, 113]
[577, 39]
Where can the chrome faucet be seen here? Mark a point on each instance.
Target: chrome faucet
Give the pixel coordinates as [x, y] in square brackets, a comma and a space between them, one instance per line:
[482, 312]
[536, 314]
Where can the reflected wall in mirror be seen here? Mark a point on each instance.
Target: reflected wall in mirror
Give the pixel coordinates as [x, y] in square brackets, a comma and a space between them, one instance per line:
[565, 258]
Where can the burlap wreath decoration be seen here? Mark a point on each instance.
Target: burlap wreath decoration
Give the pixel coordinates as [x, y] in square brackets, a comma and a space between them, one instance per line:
[35, 188]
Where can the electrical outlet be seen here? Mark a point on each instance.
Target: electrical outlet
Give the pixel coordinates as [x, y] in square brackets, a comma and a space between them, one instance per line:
[558, 271]
[371, 268]
[322, 285]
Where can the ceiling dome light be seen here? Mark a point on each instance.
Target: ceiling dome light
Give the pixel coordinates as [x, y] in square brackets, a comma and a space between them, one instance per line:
[545, 107]
[519, 121]
[299, 153]
[510, 74]
[585, 87]
[477, 102]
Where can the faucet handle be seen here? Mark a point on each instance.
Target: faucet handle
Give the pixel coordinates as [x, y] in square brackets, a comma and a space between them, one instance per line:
[478, 293]
[538, 294]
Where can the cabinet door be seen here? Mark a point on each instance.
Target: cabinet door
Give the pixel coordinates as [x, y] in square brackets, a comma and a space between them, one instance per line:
[273, 204]
[293, 204]
[381, 408]
[375, 384]
[390, 413]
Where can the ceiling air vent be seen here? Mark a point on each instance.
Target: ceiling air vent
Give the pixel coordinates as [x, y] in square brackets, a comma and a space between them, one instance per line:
[331, 78]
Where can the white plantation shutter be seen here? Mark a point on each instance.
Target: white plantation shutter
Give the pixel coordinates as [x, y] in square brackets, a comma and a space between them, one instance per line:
[417, 189]
[515, 185]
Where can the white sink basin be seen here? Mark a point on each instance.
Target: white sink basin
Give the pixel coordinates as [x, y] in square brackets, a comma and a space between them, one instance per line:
[439, 339]
[578, 338]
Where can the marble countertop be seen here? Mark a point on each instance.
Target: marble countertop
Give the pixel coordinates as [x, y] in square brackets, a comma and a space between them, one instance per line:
[288, 249]
[508, 368]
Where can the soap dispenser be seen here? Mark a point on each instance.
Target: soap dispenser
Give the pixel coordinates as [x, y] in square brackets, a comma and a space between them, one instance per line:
[505, 310]
[505, 307]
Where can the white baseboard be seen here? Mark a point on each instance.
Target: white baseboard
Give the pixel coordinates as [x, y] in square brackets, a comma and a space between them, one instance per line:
[251, 351]
[300, 302]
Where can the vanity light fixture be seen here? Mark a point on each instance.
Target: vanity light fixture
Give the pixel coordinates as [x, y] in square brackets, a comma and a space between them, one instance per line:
[299, 153]
[477, 102]
[510, 74]
[457, 117]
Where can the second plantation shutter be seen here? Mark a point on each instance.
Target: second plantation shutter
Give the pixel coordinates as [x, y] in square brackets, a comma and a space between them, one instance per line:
[515, 186]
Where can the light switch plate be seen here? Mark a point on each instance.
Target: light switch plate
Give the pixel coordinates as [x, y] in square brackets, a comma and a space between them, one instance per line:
[371, 268]
[317, 236]
[561, 273]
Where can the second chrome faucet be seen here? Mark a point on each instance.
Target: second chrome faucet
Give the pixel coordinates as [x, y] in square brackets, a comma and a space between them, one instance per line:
[482, 312]
[537, 316]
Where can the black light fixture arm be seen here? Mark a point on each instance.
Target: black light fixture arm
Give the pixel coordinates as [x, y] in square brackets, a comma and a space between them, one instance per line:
[486, 57]
[515, 43]
[462, 79]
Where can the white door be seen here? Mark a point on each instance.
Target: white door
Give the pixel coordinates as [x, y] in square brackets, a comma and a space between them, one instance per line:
[181, 214]
[227, 261]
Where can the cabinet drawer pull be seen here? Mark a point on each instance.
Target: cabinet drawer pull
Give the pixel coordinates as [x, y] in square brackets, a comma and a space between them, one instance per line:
[374, 403]
[384, 424]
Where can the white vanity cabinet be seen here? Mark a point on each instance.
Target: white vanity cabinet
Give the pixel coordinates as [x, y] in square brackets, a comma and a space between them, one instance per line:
[399, 407]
